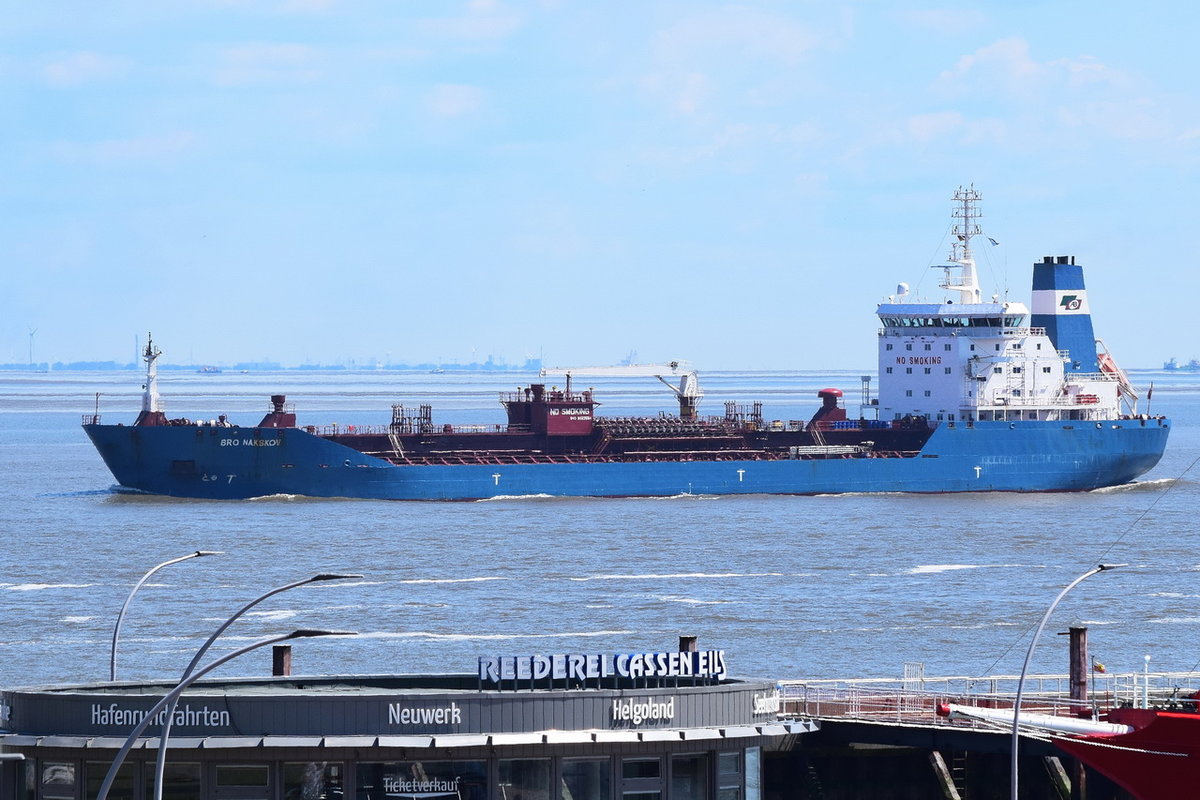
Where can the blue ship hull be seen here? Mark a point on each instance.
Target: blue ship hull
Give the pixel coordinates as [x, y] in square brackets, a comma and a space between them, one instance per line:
[242, 462]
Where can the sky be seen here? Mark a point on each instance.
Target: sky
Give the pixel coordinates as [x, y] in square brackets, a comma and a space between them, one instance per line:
[737, 185]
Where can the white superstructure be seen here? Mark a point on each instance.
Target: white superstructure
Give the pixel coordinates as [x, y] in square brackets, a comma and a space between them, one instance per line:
[962, 359]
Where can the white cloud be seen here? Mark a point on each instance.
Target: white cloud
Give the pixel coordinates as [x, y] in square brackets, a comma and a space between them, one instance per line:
[1087, 70]
[739, 31]
[307, 6]
[945, 21]
[1136, 120]
[268, 64]
[937, 125]
[1007, 66]
[485, 20]
[144, 149]
[683, 92]
[74, 69]
[1004, 65]
[738, 146]
[716, 56]
[455, 99]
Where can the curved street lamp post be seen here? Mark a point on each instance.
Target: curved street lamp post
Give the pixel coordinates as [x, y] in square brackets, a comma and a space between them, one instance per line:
[112, 659]
[174, 694]
[1029, 657]
[161, 758]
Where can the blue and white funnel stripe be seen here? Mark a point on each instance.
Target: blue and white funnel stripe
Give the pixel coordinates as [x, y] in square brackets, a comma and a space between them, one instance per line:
[1060, 305]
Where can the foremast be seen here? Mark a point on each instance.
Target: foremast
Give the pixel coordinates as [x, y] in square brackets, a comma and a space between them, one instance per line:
[152, 410]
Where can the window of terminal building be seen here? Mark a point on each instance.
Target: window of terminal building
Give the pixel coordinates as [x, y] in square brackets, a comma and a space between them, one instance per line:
[586, 779]
[27, 781]
[410, 780]
[94, 773]
[242, 782]
[753, 773]
[58, 780]
[313, 780]
[729, 776]
[523, 778]
[641, 779]
[180, 782]
[689, 777]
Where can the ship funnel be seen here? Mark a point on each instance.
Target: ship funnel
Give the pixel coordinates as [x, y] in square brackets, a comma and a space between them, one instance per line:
[1060, 305]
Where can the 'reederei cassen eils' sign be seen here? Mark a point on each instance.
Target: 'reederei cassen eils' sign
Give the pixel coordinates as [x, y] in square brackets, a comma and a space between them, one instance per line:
[590, 666]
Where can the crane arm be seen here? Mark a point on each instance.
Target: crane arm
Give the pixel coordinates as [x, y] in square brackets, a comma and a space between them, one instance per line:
[689, 384]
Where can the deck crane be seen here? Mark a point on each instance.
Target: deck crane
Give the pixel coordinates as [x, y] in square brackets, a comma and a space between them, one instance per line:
[687, 392]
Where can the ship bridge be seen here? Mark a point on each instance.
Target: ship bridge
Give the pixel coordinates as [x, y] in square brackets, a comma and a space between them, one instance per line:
[952, 315]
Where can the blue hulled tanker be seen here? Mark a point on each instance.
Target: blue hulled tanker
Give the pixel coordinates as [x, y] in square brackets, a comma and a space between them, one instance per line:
[973, 395]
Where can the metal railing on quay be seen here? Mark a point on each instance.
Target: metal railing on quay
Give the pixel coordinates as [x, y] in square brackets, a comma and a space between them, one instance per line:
[888, 700]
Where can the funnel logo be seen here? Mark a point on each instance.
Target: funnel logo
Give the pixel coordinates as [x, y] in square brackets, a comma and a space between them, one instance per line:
[1071, 302]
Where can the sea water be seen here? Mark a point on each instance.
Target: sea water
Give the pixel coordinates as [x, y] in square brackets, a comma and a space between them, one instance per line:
[789, 587]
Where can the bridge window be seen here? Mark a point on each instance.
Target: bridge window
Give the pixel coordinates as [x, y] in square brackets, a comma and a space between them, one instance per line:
[997, 370]
[1046, 370]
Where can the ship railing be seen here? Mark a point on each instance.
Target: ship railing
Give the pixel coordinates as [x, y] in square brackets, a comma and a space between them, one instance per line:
[91, 419]
[916, 701]
[336, 429]
[956, 329]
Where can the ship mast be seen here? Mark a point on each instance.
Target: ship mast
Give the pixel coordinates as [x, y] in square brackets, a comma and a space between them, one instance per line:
[150, 400]
[965, 212]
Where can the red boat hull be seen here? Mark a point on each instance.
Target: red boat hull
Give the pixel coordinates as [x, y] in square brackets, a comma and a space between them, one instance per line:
[1159, 760]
